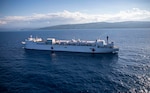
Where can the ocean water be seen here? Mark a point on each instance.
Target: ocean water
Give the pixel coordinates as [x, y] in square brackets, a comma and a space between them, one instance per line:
[32, 71]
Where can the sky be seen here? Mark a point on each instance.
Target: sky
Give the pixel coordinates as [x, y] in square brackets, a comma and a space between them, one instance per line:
[42, 13]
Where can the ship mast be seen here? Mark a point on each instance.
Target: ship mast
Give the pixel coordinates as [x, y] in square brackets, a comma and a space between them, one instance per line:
[107, 39]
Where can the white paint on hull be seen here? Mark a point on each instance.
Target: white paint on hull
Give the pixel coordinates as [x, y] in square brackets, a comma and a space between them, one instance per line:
[70, 48]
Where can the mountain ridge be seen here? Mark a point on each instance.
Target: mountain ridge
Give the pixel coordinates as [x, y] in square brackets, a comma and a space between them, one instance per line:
[99, 25]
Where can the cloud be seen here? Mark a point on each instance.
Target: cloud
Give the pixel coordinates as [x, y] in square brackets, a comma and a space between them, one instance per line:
[3, 22]
[67, 17]
[134, 15]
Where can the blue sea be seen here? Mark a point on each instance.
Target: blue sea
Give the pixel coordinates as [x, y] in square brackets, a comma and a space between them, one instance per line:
[33, 71]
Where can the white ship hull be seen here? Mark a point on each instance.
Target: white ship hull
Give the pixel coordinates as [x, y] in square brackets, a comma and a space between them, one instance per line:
[36, 45]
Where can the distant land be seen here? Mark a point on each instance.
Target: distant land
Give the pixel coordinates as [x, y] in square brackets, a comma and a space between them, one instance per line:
[100, 25]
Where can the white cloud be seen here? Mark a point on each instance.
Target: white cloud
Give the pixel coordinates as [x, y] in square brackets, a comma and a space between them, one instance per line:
[3, 22]
[67, 17]
[134, 15]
